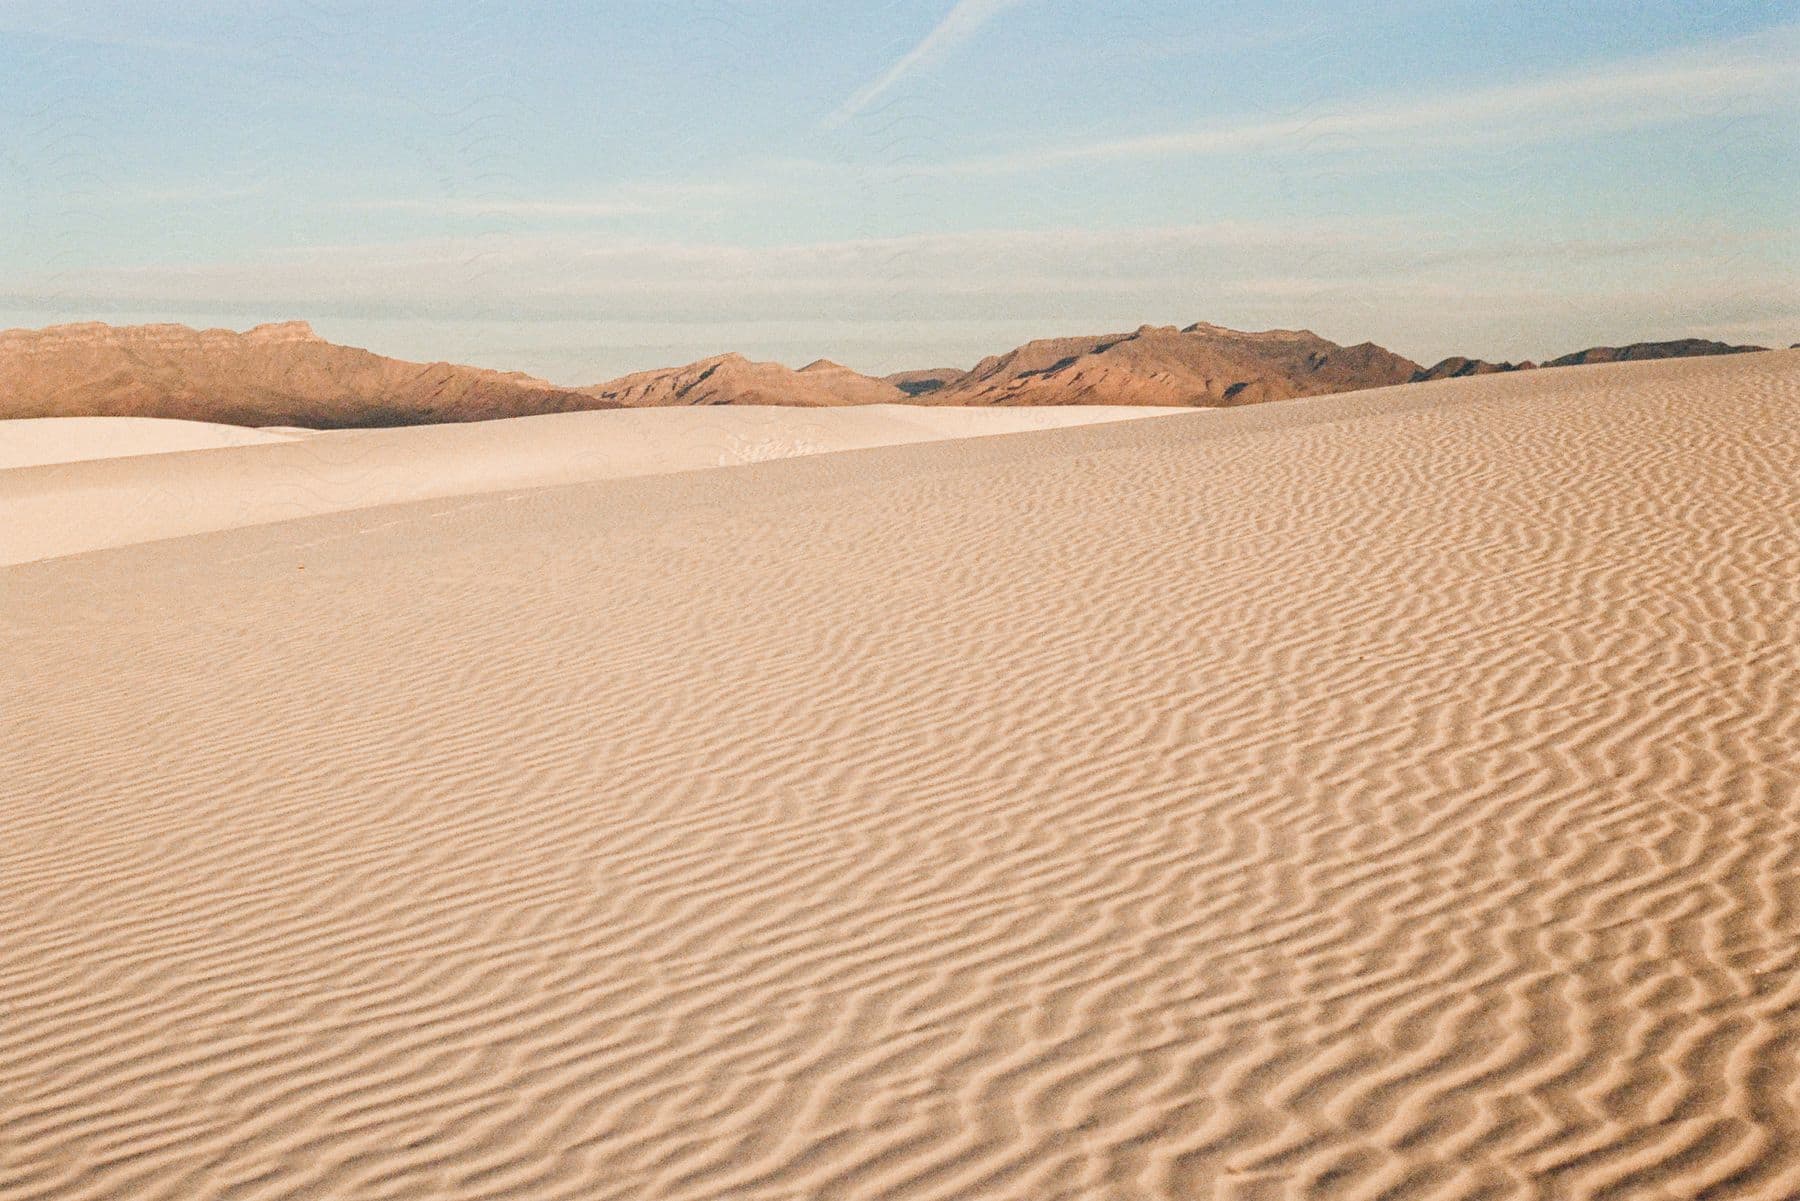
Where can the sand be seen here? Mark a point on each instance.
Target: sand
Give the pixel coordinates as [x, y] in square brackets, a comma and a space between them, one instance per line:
[36, 441]
[75, 503]
[1384, 795]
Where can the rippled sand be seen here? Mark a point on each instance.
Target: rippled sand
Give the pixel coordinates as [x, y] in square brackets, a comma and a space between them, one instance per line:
[1386, 795]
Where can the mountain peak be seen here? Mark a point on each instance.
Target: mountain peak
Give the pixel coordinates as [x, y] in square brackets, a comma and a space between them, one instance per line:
[734, 379]
[283, 331]
[1201, 365]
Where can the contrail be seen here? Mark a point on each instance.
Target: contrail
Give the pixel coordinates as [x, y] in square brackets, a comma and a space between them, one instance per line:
[960, 24]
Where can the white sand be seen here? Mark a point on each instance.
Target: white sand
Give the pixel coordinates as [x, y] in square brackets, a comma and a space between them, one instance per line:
[1382, 796]
[34, 441]
[82, 503]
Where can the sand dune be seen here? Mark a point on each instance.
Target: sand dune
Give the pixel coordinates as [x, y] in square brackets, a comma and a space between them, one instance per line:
[77, 505]
[1388, 795]
[37, 441]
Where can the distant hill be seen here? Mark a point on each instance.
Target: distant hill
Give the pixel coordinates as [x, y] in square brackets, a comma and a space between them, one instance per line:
[272, 375]
[1199, 365]
[285, 374]
[1679, 349]
[1457, 366]
[734, 379]
[1202, 365]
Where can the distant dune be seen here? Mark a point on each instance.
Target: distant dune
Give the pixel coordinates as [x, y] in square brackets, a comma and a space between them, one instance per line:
[1388, 795]
[285, 375]
[30, 442]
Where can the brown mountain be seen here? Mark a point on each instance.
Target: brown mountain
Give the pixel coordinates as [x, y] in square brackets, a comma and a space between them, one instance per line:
[287, 375]
[1458, 366]
[272, 375]
[734, 379]
[1202, 365]
[1678, 349]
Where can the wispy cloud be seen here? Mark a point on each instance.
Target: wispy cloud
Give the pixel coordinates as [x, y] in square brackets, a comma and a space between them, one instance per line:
[964, 20]
[548, 273]
[1718, 80]
[1175, 270]
[468, 207]
[216, 193]
[630, 200]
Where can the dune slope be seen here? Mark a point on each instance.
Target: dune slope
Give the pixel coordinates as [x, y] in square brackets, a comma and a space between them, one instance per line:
[39, 441]
[1386, 795]
[68, 503]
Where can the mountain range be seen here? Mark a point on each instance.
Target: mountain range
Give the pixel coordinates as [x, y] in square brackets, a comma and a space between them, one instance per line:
[286, 375]
[281, 374]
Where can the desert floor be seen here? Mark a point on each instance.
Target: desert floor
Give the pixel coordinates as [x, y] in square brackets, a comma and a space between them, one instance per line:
[1385, 795]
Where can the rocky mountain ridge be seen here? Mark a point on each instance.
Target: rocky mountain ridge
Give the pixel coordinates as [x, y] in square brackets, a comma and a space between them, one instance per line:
[286, 374]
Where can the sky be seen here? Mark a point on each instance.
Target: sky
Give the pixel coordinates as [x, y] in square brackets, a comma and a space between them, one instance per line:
[583, 189]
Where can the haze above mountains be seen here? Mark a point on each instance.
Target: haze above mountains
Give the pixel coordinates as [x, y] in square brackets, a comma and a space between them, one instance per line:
[286, 375]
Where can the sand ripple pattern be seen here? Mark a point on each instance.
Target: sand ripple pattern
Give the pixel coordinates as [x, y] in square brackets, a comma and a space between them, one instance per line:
[1387, 796]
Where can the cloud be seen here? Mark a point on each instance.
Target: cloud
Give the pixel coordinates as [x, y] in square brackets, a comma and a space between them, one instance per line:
[961, 23]
[1720, 80]
[217, 193]
[630, 200]
[554, 276]
[468, 207]
[1181, 272]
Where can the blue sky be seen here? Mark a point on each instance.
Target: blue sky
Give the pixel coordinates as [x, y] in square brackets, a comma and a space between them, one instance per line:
[583, 189]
